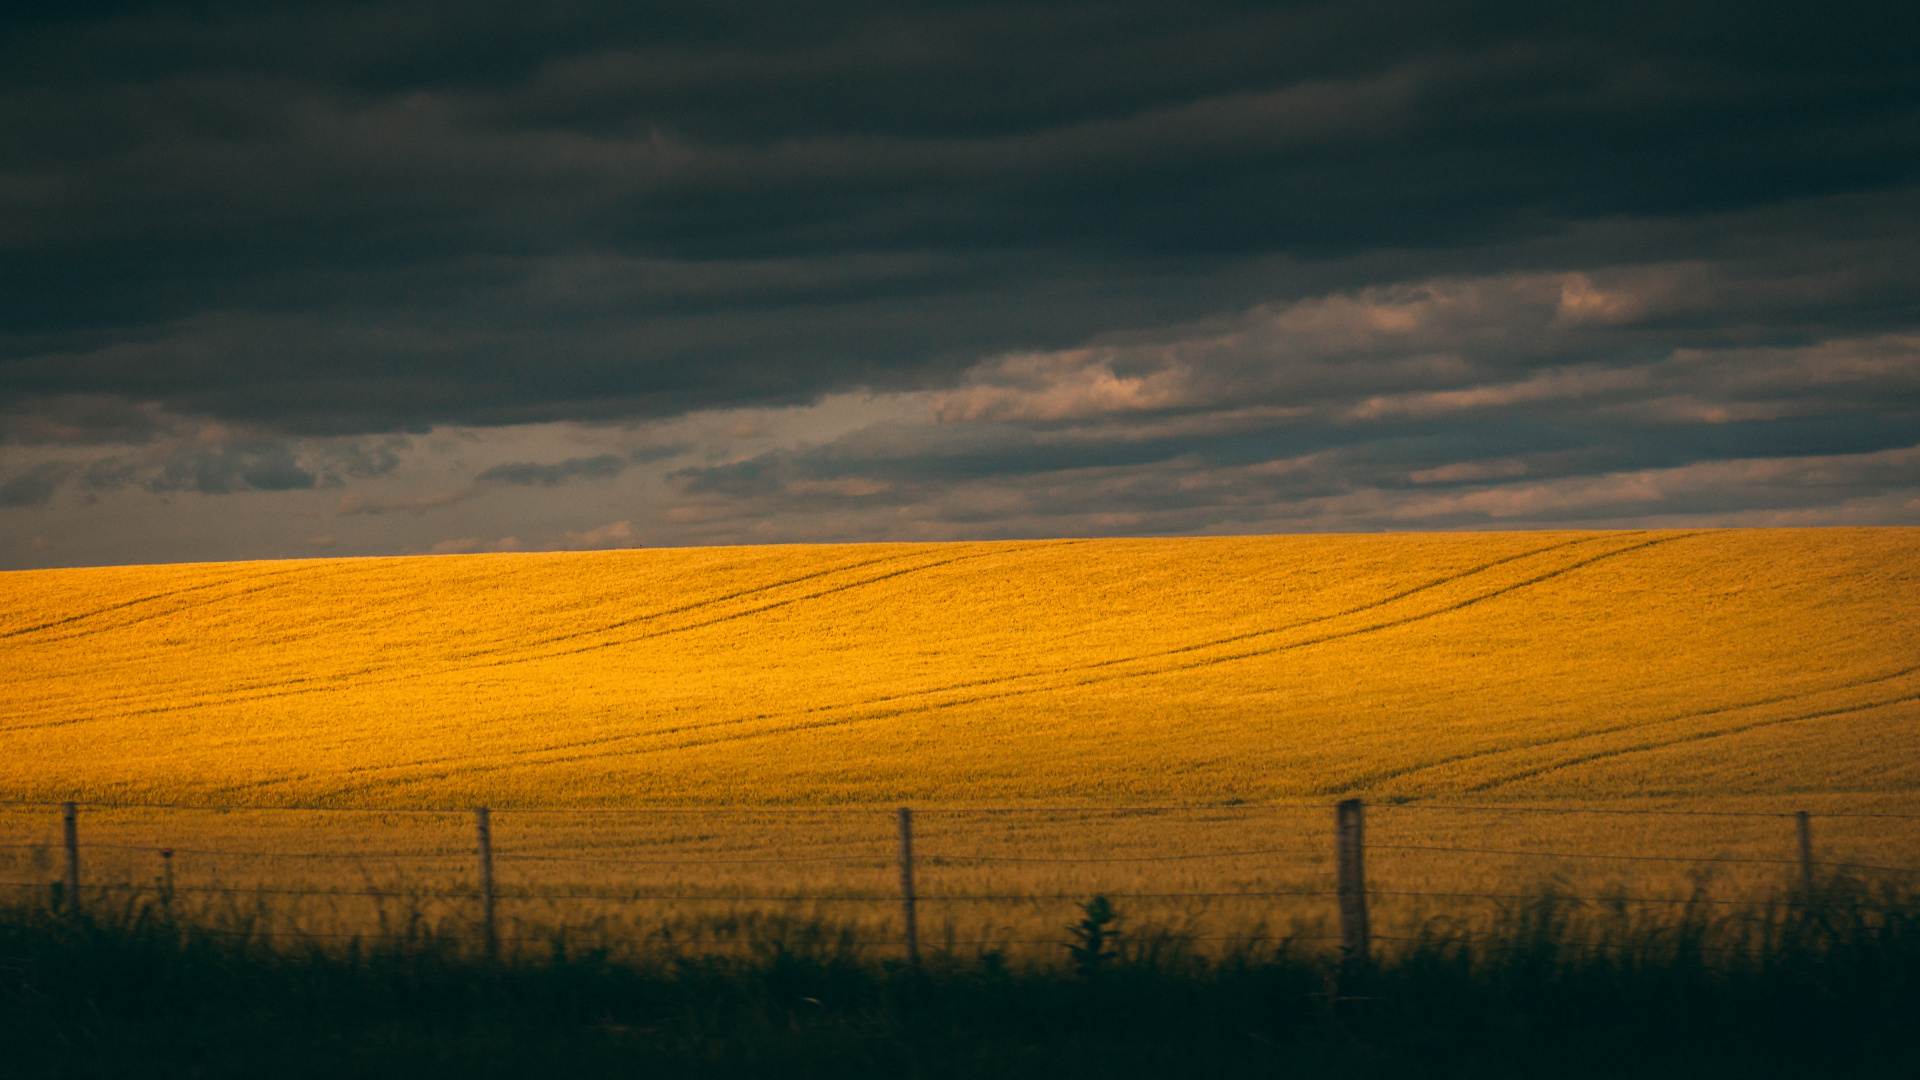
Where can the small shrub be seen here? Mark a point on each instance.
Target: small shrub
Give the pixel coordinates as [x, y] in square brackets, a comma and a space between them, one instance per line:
[1093, 937]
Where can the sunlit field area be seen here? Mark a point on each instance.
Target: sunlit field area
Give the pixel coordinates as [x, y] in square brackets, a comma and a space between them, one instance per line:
[689, 747]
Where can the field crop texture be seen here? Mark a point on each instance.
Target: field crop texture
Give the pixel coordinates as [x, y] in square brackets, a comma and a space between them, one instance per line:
[1751, 670]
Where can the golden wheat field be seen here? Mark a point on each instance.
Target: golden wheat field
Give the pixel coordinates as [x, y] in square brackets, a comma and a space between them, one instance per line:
[740, 721]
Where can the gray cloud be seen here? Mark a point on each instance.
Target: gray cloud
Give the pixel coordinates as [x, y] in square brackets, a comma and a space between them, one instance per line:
[1440, 404]
[217, 470]
[80, 420]
[179, 454]
[33, 486]
[355, 504]
[529, 472]
[844, 271]
[610, 214]
[648, 454]
[361, 459]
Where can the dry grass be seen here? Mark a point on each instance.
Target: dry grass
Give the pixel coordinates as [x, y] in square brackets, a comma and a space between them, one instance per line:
[1747, 670]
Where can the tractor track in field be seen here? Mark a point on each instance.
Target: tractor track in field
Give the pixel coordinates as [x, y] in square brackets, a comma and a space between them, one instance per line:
[1681, 740]
[735, 616]
[282, 688]
[366, 676]
[1384, 776]
[359, 679]
[1215, 643]
[695, 606]
[541, 757]
[603, 741]
[97, 612]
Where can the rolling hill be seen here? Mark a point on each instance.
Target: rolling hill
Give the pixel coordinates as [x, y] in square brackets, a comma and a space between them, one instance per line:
[1575, 665]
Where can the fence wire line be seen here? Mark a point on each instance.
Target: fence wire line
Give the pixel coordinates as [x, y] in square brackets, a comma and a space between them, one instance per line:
[158, 848]
[672, 943]
[1656, 858]
[948, 857]
[230, 807]
[939, 857]
[735, 898]
[721, 898]
[863, 810]
[1522, 946]
[1645, 813]
[461, 854]
[1870, 866]
[1121, 859]
[894, 898]
[515, 857]
[264, 891]
[1557, 897]
[1637, 858]
[644, 810]
[669, 943]
[1598, 810]
[510, 857]
[931, 856]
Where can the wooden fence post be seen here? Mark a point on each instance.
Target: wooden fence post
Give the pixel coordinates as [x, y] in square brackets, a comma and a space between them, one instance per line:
[1349, 849]
[70, 819]
[1803, 824]
[906, 888]
[483, 826]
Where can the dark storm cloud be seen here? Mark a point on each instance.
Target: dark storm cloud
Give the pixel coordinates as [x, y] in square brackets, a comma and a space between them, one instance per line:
[80, 420]
[361, 460]
[34, 486]
[216, 470]
[348, 218]
[1542, 397]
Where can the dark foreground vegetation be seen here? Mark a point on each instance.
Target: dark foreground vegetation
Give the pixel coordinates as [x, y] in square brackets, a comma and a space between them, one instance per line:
[1824, 989]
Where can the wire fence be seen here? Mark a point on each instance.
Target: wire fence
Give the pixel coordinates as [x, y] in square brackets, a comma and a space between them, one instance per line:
[1142, 858]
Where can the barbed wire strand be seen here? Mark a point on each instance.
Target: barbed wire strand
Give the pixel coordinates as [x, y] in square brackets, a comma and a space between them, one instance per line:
[707, 943]
[1636, 812]
[741, 898]
[892, 898]
[1521, 946]
[644, 810]
[671, 943]
[950, 857]
[229, 807]
[933, 810]
[934, 857]
[512, 857]
[1634, 858]
[157, 848]
[1117, 859]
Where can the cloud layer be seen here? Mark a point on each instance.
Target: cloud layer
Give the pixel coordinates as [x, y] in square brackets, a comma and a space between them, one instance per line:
[747, 271]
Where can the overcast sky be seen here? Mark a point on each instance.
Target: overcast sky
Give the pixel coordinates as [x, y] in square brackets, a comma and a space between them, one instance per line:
[293, 279]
